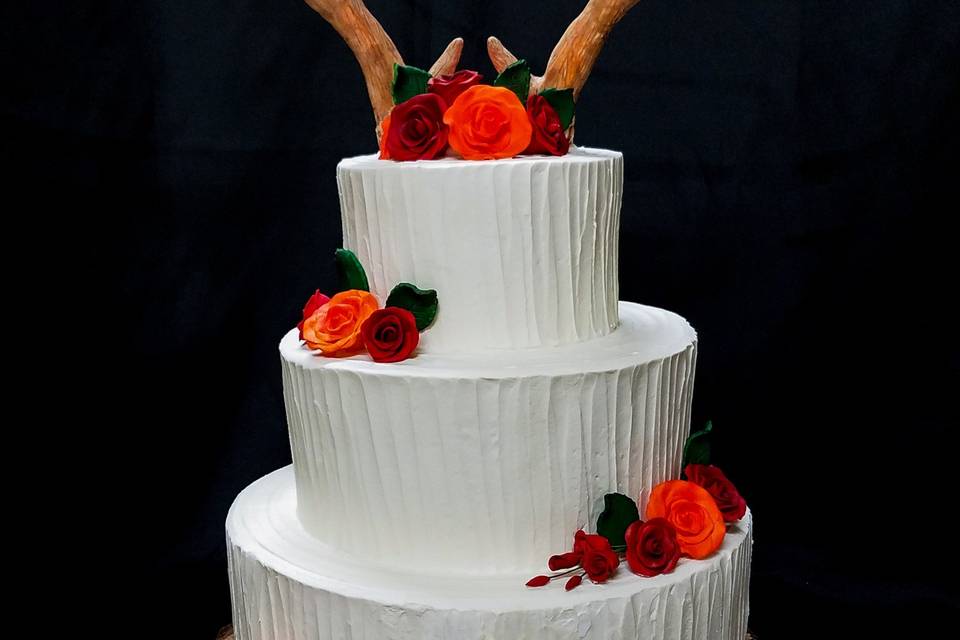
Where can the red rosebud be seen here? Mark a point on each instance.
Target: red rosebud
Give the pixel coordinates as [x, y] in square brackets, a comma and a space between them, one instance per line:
[417, 130]
[598, 559]
[731, 504]
[390, 334]
[538, 581]
[450, 86]
[573, 582]
[315, 301]
[548, 135]
[652, 547]
[564, 561]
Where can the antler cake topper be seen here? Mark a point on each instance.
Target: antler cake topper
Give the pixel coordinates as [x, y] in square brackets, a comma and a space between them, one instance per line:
[548, 99]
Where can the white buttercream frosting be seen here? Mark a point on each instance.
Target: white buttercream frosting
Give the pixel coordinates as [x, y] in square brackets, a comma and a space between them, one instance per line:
[287, 585]
[425, 493]
[485, 463]
[522, 252]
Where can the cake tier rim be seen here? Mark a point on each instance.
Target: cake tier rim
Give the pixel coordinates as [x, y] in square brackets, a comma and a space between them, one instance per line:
[576, 154]
[596, 355]
[391, 587]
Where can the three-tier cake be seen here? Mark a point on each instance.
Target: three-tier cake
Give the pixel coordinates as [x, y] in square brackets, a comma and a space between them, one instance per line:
[477, 400]
[424, 493]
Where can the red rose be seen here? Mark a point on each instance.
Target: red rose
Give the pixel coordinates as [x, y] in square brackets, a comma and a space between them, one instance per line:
[598, 559]
[315, 301]
[548, 136]
[390, 334]
[417, 130]
[652, 547]
[731, 504]
[450, 86]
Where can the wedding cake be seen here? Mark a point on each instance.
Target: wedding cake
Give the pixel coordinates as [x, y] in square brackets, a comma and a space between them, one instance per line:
[475, 404]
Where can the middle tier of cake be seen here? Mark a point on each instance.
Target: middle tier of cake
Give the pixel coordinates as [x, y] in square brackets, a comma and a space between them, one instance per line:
[485, 463]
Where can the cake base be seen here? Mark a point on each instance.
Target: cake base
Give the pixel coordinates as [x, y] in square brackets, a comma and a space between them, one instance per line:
[287, 585]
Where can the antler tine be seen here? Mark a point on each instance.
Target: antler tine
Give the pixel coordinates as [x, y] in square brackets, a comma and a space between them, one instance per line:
[576, 51]
[501, 58]
[449, 59]
[572, 59]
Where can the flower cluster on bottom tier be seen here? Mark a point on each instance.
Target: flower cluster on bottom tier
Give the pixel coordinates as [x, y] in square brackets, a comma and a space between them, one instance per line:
[287, 585]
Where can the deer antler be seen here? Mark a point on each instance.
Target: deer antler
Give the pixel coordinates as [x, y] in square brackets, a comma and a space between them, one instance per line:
[375, 51]
[576, 52]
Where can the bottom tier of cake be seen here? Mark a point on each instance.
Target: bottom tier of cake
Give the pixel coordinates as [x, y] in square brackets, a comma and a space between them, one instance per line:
[287, 585]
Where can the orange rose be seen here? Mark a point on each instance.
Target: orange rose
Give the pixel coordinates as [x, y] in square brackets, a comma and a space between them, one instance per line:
[334, 328]
[487, 123]
[692, 512]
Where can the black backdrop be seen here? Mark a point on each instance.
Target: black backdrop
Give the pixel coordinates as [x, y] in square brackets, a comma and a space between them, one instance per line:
[791, 172]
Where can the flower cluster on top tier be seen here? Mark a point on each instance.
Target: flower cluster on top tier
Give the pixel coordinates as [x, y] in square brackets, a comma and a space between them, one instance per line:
[352, 320]
[457, 115]
[684, 519]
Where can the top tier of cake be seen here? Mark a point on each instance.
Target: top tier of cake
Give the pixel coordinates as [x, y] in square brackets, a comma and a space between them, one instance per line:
[522, 252]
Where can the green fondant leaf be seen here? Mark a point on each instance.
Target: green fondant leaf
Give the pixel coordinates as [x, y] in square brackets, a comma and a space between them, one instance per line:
[408, 82]
[421, 303]
[516, 77]
[619, 512]
[697, 448]
[562, 102]
[352, 275]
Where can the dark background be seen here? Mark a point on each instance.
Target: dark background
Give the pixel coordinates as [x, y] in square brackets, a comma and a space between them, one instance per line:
[791, 185]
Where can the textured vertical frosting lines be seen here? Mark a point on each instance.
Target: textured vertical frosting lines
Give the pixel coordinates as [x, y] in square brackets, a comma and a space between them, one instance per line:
[538, 396]
[515, 200]
[286, 585]
[521, 251]
[591, 240]
[614, 244]
[741, 598]
[409, 465]
[685, 423]
[481, 510]
[649, 471]
[545, 259]
[373, 451]
[672, 400]
[308, 463]
[580, 264]
[680, 411]
[509, 243]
